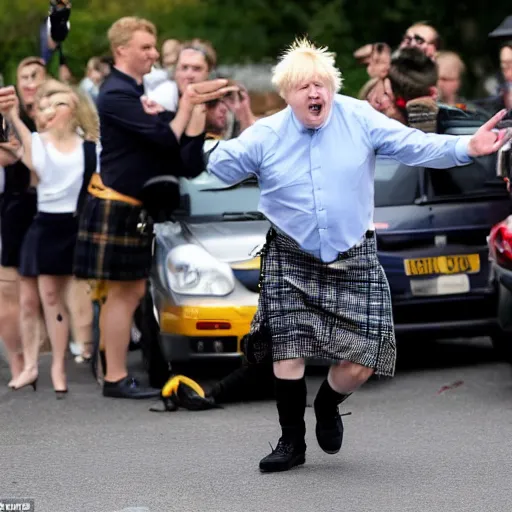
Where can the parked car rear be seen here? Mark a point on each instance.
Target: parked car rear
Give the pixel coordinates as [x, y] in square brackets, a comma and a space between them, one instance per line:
[432, 227]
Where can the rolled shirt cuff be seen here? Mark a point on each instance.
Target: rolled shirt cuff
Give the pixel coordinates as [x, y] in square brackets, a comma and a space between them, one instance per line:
[461, 150]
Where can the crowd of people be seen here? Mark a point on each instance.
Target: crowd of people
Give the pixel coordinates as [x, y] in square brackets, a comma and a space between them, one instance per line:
[79, 164]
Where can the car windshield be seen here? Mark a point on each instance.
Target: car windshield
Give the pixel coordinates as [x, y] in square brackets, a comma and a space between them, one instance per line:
[397, 184]
[207, 196]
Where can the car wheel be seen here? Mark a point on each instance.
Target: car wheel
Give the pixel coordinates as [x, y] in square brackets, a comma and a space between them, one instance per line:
[502, 343]
[155, 364]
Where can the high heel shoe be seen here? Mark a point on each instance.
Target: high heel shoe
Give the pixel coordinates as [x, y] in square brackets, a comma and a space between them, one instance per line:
[33, 384]
[60, 393]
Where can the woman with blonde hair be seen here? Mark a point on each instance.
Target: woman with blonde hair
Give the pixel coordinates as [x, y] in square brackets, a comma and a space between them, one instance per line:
[63, 156]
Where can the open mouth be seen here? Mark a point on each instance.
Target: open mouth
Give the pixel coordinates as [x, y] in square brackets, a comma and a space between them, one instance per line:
[315, 109]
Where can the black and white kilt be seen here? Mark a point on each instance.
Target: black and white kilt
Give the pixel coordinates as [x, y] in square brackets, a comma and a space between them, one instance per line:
[339, 311]
[49, 245]
[110, 245]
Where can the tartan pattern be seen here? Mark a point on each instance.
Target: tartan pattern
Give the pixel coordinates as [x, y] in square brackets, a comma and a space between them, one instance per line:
[336, 311]
[109, 245]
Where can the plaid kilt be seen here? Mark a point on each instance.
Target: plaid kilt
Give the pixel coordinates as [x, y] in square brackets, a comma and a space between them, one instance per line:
[331, 311]
[110, 247]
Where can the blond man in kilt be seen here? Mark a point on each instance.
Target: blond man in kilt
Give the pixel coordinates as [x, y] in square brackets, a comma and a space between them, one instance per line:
[140, 142]
[324, 293]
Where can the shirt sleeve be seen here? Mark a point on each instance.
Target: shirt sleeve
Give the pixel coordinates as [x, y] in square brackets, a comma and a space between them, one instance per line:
[126, 111]
[234, 160]
[414, 147]
[192, 158]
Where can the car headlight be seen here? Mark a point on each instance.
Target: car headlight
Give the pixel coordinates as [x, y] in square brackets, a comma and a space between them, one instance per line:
[191, 270]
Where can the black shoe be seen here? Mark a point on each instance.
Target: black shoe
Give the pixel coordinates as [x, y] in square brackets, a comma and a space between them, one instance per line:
[128, 387]
[329, 431]
[285, 456]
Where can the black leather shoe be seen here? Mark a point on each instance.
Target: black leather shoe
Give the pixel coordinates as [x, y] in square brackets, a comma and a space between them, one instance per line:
[285, 456]
[329, 431]
[128, 387]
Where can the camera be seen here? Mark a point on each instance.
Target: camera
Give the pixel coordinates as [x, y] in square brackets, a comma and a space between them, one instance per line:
[4, 130]
[504, 156]
[59, 14]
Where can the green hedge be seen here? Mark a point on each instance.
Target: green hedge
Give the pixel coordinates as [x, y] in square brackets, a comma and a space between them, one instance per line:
[257, 30]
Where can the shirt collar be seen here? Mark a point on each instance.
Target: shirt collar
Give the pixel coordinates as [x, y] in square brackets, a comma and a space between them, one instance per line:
[126, 78]
[302, 129]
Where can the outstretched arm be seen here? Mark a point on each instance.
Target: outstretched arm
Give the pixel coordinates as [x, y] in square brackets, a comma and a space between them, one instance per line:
[414, 147]
[234, 160]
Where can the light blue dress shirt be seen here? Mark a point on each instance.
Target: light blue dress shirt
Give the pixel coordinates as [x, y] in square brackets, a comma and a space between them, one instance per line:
[317, 186]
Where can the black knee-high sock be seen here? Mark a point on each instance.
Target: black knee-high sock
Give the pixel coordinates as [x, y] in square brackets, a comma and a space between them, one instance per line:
[291, 406]
[327, 400]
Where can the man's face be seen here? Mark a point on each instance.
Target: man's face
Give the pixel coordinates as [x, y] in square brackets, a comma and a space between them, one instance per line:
[30, 77]
[311, 101]
[421, 37]
[448, 82]
[190, 69]
[217, 117]
[140, 53]
[506, 63]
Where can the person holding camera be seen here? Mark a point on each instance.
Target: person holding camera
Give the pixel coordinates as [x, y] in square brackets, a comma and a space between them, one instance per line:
[140, 142]
[10, 153]
[20, 305]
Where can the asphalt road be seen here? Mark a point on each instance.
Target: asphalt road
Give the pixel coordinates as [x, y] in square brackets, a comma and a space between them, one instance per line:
[410, 445]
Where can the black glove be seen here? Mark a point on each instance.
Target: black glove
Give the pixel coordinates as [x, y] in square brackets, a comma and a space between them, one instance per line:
[60, 12]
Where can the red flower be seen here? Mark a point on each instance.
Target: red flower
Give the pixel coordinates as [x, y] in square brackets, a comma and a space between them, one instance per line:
[400, 102]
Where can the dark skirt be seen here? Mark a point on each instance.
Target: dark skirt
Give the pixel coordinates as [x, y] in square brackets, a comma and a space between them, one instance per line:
[112, 245]
[339, 311]
[17, 212]
[49, 246]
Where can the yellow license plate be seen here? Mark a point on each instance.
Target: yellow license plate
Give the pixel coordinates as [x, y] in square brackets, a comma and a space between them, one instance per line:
[457, 264]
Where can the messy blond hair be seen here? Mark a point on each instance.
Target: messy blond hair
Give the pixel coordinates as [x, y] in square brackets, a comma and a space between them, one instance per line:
[85, 113]
[120, 33]
[303, 61]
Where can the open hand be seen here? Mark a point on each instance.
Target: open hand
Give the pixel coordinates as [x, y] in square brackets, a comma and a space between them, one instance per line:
[488, 139]
[209, 90]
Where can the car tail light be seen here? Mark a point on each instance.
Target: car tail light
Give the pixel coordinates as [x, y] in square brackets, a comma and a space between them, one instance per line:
[212, 326]
[500, 243]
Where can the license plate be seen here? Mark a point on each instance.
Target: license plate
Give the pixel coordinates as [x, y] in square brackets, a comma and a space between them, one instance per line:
[442, 285]
[457, 264]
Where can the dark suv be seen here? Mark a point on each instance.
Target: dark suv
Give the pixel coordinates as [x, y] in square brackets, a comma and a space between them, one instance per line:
[432, 227]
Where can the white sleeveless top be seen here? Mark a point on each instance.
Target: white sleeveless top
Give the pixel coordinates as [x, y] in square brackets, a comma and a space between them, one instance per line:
[60, 176]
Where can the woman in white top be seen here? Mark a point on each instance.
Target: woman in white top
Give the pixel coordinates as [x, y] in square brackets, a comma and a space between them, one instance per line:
[60, 156]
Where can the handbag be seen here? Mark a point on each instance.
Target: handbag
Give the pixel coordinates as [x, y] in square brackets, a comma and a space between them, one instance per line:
[257, 343]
